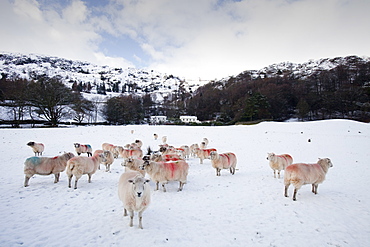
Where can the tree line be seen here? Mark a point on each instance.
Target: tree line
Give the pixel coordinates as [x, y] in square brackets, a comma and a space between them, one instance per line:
[342, 92]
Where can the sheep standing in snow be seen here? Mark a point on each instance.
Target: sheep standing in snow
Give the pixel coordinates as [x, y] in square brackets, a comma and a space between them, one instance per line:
[204, 153]
[133, 164]
[112, 148]
[78, 166]
[37, 148]
[301, 173]
[193, 148]
[155, 136]
[109, 159]
[223, 161]
[80, 148]
[45, 166]
[279, 162]
[134, 192]
[163, 172]
[164, 139]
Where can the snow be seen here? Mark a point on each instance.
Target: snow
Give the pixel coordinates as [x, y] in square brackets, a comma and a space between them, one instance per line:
[245, 209]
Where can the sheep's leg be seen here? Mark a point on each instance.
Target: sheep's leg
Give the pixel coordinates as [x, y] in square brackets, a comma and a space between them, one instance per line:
[201, 160]
[89, 177]
[140, 214]
[218, 172]
[78, 154]
[295, 194]
[56, 180]
[131, 217]
[180, 187]
[314, 188]
[286, 190]
[124, 212]
[278, 173]
[232, 170]
[164, 188]
[274, 173]
[157, 188]
[69, 181]
[26, 179]
[76, 183]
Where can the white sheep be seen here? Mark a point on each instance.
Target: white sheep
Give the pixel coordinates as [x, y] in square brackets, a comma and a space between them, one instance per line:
[80, 148]
[164, 139]
[279, 162]
[223, 161]
[205, 141]
[45, 166]
[109, 160]
[134, 164]
[155, 136]
[127, 153]
[204, 153]
[78, 166]
[134, 192]
[193, 148]
[163, 172]
[112, 148]
[300, 173]
[37, 148]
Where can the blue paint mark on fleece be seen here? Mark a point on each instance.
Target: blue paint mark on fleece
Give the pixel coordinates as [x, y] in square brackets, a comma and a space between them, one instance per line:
[89, 146]
[34, 160]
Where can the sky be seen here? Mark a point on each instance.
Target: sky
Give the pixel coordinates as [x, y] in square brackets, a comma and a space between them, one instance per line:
[192, 39]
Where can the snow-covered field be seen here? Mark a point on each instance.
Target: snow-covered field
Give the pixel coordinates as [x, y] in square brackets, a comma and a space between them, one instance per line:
[245, 209]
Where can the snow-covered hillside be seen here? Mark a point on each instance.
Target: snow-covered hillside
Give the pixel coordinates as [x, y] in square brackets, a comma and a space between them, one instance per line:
[245, 209]
[138, 81]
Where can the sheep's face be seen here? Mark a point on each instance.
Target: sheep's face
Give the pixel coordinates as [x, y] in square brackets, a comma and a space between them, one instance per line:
[77, 145]
[327, 161]
[270, 156]
[139, 184]
[30, 144]
[213, 155]
[102, 158]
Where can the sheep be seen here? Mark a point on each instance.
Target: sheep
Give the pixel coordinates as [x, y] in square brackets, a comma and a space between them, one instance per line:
[37, 148]
[139, 143]
[223, 161]
[193, 148]
[126, 153]
[45, 166]
[134, 164]
[203, 153]
[162, 172]
[79, 165]
[112, 148]
[155, 136]
[164, 139]
[109, 160]
[80, 148]
[185, 151]
[134, 192]
[300, 173]
[205, 141]
[279, 162]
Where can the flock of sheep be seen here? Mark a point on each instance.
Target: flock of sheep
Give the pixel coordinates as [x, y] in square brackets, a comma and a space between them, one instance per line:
[167, 164]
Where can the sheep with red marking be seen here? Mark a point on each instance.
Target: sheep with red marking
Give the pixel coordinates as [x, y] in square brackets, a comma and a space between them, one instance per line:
[301, 173]
[163, 172]
[45, 166]
[204, 153]
[109, 159]
[193, 148]
[131, 152]
[134, 192]
[133, 164]
[37, 148]
[112, 148]
[279, 162]
[83, 148]
[79, 165]
[223, 161]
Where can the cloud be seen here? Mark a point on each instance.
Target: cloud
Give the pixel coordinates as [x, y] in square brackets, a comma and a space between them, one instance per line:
[208, 39]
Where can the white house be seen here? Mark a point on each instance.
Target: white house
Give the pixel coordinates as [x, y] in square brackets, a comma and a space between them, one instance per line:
[189, 119]
[158, 119]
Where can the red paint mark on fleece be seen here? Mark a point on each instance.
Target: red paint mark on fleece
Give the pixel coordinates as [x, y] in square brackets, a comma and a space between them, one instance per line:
[172, 167]
[56, 157]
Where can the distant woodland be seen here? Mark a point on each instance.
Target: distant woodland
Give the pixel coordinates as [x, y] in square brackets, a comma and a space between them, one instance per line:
[342, 92]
